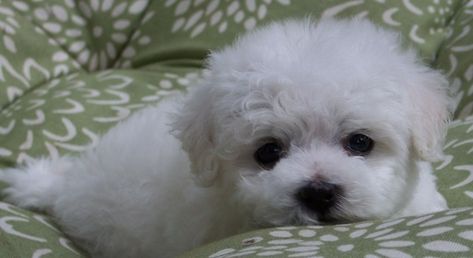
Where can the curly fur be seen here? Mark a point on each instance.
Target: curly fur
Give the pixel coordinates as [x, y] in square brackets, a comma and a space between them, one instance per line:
[159, 184]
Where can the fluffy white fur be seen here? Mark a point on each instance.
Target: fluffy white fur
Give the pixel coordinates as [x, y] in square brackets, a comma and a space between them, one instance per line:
[146, 192]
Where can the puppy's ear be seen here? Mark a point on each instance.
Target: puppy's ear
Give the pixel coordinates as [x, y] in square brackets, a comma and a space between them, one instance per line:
[193, 126]
[430, 116]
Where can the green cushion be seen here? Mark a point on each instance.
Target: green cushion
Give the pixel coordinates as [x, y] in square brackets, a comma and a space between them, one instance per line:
[69, 70]
[443, 234]
[455, 58]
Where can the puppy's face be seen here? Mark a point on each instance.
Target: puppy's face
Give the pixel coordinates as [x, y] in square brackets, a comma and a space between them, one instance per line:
[303, 154]
[306, 123]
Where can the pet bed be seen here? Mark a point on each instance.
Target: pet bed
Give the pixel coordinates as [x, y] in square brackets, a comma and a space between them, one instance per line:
[69, 70]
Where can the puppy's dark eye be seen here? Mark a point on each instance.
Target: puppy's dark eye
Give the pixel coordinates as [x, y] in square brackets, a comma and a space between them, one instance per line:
[359, 144]
[269, 154]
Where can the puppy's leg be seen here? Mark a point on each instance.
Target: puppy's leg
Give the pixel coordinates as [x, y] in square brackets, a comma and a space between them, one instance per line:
[425, 198]
[37, 184]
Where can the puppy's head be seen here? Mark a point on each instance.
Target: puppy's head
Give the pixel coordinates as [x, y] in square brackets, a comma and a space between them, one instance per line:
[308, 122]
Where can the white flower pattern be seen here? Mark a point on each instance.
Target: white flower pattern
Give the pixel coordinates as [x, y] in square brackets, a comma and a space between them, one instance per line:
[73, 96]
[113, 36]
[70, 69]
[190, 14]
[391, 238]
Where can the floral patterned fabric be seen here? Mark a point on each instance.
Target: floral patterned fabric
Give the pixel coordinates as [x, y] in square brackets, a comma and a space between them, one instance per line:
[71, 69]
[441, 234]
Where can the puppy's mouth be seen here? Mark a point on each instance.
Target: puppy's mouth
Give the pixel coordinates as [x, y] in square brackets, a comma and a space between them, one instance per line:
[328, 219]
[333, 217]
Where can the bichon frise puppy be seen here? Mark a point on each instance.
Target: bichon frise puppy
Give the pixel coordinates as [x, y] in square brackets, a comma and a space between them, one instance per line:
[297, 123]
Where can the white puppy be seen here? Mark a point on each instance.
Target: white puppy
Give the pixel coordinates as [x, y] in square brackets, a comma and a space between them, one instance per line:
[297, 123]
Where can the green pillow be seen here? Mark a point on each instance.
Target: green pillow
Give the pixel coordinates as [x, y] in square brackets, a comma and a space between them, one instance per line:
[69, 70]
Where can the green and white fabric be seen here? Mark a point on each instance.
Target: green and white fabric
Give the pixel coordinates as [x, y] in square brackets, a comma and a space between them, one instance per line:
[433, 235]
[71, 69]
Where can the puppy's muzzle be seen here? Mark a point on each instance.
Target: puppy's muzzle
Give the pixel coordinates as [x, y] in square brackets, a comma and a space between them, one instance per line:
[319, 197]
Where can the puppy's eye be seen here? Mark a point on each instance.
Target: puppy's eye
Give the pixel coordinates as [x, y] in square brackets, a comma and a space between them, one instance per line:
[269, 154]
[359, 144]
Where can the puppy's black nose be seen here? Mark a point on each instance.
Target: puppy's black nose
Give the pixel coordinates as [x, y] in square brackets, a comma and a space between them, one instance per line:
[318, 196]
